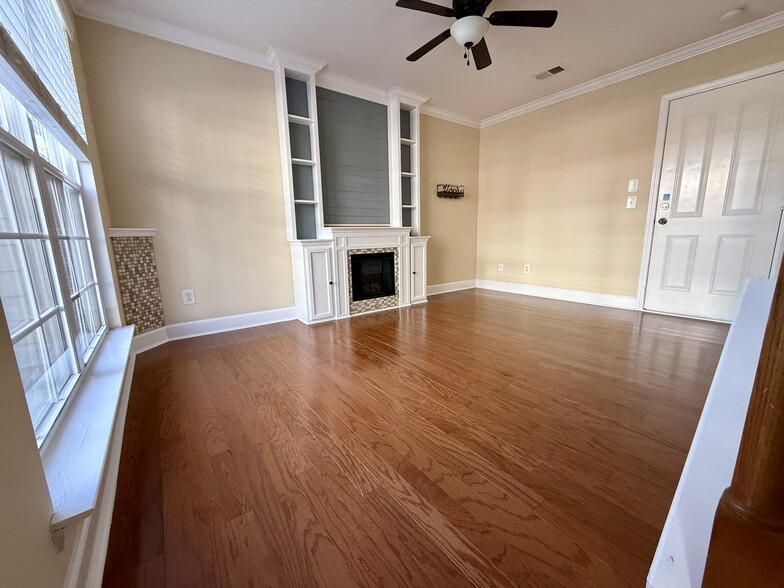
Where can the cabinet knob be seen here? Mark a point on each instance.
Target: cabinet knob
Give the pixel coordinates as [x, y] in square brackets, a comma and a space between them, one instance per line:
[413, 272]
[331, 283]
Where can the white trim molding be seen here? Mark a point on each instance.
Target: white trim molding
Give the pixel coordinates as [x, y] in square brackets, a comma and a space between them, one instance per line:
[211, 326]
[407, 96]
[683, 544]
[132, 232]
[344, 85]
[451, 287]
[132, 21]
[448, 115]
[740, 33]
[291, 60]
[76, 451]
[594, 298]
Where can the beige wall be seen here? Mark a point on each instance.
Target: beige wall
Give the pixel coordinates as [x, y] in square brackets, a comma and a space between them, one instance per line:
[449, 155]
[27, 555]
[552, 183]
[189, 145]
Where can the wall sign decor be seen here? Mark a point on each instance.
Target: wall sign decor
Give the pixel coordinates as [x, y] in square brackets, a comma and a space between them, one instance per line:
[450, 191]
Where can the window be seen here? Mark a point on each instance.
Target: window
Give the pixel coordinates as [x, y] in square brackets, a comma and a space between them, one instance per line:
[36, 26]
[48, 283]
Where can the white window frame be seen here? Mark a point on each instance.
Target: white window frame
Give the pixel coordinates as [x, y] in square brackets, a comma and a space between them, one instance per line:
[65, 300]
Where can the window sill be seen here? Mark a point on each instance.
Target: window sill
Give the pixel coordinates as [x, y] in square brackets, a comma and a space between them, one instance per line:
[76, 451]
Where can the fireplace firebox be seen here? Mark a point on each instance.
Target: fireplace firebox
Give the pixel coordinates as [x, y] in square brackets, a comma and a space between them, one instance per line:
[372, 275]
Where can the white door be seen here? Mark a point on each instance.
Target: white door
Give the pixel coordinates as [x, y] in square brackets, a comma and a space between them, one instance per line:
[720, 198]
[321, 278]
[418, 272]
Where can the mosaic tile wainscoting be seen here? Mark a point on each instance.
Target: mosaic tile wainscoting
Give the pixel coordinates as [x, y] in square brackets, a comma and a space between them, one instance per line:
[137, 274]
[374, 303]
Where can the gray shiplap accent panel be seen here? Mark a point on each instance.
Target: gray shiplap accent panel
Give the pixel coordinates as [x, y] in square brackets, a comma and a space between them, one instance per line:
[354, 159]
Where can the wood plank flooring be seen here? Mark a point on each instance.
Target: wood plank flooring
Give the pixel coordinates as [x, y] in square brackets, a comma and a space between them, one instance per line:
[482, 439]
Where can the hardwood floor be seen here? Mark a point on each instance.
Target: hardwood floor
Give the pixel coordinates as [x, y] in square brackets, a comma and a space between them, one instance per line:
[482, 439]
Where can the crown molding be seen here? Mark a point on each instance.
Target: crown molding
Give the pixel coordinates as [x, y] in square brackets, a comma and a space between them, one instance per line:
[126, 19]
[407, 97]
[450, 116]
[344, 85]
[740, 33]
[132, 21]
[293, 61]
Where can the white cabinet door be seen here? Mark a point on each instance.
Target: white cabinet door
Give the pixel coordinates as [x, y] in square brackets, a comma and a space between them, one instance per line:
[321, 299]
[418, 271]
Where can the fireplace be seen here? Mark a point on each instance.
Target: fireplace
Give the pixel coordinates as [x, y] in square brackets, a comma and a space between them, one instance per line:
[373, 279]
[372, 275]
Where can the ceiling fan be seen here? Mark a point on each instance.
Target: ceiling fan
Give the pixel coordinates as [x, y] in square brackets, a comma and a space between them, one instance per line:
[471, 25]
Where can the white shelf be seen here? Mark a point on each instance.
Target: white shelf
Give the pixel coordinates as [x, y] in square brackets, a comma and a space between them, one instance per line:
[407, 141]
[304, 201]
[295, 161]
[409, 205]
[300, 120]
[408, 174]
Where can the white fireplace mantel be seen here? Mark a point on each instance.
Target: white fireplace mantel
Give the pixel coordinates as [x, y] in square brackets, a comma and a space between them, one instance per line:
[321, 269]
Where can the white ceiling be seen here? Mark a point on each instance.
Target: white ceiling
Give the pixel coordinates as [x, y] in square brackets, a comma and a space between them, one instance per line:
[368, 40]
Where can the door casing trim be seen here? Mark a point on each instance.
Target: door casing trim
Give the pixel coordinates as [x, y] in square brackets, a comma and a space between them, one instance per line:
[658, 157]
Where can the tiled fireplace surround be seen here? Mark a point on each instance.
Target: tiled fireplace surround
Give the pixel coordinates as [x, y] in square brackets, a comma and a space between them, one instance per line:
[374, 303]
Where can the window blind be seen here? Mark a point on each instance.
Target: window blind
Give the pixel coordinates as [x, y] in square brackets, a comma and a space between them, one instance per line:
[36, 27]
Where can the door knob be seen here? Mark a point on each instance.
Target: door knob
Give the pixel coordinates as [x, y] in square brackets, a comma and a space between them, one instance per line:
[662, 221]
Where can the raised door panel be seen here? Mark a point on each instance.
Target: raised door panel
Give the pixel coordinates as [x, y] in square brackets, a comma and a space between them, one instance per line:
[418, 272]
[321, 295]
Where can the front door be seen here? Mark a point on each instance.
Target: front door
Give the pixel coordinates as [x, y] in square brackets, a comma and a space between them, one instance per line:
[720, 198]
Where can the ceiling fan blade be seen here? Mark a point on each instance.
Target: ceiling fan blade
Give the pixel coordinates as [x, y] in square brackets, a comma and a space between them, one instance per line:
[423, 6]
[481, 54]
[524, 18]
[429, 46]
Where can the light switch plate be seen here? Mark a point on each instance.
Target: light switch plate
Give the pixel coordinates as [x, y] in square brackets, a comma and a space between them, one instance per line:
[631, 202]
[633, 185]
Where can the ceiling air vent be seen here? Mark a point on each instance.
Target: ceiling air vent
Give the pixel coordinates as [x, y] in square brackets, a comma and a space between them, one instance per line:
[550, 72]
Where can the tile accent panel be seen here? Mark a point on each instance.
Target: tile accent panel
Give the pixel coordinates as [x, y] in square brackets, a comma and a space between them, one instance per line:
[374, 303]
[140, 290]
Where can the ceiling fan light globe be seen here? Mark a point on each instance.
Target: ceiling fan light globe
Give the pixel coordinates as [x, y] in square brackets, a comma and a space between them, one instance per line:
[469, 30]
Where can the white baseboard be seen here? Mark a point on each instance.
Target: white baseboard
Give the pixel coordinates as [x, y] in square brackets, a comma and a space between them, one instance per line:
[211, 326]
[595, 298]
[451, 287]
[149, 340]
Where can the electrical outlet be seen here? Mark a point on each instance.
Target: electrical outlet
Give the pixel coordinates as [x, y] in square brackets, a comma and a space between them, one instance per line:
[527, 269]
[500, 267]
[188, 297]
[631, 202]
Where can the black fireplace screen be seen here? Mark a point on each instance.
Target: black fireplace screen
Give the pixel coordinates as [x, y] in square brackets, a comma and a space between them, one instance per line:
[372, 275]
